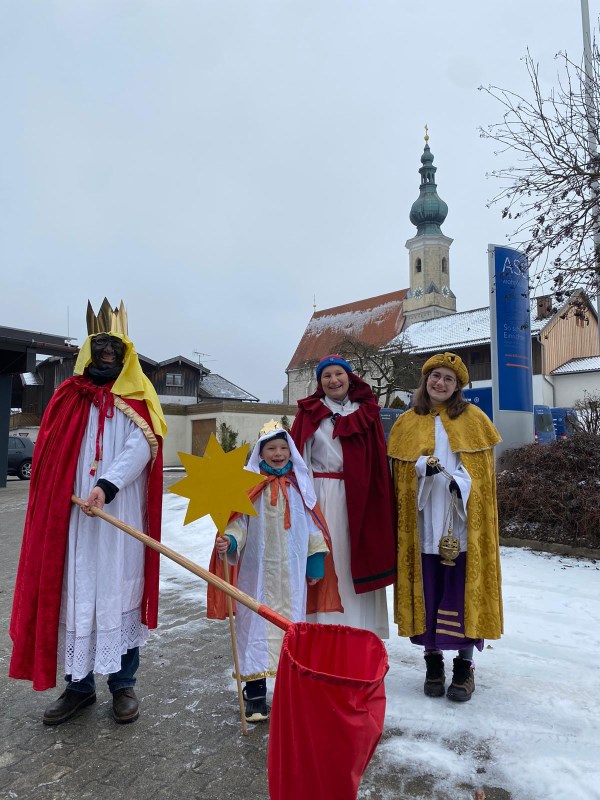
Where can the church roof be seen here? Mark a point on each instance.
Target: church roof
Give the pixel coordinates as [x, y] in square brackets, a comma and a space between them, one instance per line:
[374, 321]
[428, 211]
[463, 329]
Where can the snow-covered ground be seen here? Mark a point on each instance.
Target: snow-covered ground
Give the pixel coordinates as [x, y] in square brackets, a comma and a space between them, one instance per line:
[534, 720]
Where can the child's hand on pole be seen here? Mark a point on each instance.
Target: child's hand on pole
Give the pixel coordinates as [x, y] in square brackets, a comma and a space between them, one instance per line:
[222, 544]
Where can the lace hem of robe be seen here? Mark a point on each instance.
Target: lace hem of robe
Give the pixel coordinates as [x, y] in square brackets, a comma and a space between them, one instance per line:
[100, 651]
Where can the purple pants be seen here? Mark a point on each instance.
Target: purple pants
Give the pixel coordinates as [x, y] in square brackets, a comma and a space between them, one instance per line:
[444, 593]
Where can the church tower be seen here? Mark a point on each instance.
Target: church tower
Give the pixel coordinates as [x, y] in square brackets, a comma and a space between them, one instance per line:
[429, 294]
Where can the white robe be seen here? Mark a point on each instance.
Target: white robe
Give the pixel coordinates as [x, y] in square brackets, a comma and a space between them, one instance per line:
[434, 498]
[103, 580]
[323, 453]
[272, 570]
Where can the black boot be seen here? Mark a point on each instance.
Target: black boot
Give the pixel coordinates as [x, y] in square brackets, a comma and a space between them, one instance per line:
[435, 679]
[67, 705]
[255, 695]
[463, 681]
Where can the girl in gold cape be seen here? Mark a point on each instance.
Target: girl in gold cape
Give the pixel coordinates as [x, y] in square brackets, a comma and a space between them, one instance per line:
[446, 607]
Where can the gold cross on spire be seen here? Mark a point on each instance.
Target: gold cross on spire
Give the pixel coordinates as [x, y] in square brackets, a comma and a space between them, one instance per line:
[426, 133]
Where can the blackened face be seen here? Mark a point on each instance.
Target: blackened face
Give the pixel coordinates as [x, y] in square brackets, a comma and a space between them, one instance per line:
[107, 351]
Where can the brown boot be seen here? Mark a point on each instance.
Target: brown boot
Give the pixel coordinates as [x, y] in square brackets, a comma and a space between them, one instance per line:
[125, 706]
[435, 678]
[463, 681]
[66, 706]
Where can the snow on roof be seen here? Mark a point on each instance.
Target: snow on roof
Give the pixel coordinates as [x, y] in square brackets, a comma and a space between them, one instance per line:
[31, 379]
[373, 321]
[463, 329]
[589, 364]
[217, 387]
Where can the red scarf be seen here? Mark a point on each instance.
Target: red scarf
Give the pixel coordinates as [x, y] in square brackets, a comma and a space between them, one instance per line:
[369, 493]
[38, 588]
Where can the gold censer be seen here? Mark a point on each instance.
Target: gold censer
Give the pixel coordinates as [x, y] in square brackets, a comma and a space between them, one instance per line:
[449, 548]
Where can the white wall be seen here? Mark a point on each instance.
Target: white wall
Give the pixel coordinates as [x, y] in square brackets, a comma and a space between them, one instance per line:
[247, 426]
[543, 391]
[300, 384]
[174, 440]
[29, 433]
[570, 388]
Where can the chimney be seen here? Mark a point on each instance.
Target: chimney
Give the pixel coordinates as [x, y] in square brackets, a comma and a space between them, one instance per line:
[544, 307]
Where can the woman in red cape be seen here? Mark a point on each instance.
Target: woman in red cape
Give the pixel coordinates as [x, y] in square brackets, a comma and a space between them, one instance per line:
[339, 433]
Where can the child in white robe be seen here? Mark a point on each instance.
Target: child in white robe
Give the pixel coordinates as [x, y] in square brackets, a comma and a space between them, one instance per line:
[278, 553]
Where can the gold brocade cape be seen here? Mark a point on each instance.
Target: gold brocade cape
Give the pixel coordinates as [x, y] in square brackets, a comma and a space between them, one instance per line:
[472, 435]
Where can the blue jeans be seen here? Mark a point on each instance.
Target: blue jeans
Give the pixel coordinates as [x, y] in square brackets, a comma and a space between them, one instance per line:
[122, 679]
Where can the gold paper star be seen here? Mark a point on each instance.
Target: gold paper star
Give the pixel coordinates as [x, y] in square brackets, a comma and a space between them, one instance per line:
[271, 427]
[217, 484]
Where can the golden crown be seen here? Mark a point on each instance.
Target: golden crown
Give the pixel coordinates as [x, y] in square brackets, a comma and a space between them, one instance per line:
[272, 426]
[107, 319]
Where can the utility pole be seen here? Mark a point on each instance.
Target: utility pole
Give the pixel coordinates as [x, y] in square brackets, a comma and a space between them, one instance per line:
[590, 113]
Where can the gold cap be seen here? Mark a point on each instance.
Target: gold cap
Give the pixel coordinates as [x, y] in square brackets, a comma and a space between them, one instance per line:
[450, 361]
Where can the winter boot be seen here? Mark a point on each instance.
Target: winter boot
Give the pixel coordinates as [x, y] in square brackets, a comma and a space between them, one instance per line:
[463, 681]
[255, 695]
[435, 678]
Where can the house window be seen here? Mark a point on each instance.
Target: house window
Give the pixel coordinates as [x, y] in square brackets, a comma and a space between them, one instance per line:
[174, 379]
[418, 265]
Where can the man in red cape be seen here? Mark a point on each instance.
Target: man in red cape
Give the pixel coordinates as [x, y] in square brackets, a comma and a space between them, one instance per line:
[84, 589]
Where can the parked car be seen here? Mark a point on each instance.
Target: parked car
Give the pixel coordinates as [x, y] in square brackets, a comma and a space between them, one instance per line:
[566, 422]
[543, 425]
[20, 453]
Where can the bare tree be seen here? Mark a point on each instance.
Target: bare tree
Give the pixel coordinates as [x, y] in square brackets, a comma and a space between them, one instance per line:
[551, 192]
[588, 412]
[386, 372]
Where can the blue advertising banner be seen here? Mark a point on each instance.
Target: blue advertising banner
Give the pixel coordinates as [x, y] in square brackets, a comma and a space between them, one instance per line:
[513, 330]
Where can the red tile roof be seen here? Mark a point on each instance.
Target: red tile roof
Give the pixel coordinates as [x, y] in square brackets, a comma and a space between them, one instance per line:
[374, 321]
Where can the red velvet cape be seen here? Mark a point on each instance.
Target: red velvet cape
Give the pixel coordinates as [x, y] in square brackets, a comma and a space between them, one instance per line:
[38, 588]
[369, 493]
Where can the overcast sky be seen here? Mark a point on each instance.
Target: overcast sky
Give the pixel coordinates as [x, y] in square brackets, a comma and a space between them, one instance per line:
[217, 165]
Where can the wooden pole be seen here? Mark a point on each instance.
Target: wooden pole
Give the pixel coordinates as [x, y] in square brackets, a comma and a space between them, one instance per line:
[231, 591]
[196, 569]
[236, 663]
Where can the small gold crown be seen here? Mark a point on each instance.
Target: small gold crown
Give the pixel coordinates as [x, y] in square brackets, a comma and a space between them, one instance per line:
[272, 426]
[107, 319]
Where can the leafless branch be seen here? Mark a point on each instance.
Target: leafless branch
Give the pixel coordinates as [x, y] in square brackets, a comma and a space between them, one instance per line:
[551, 189]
